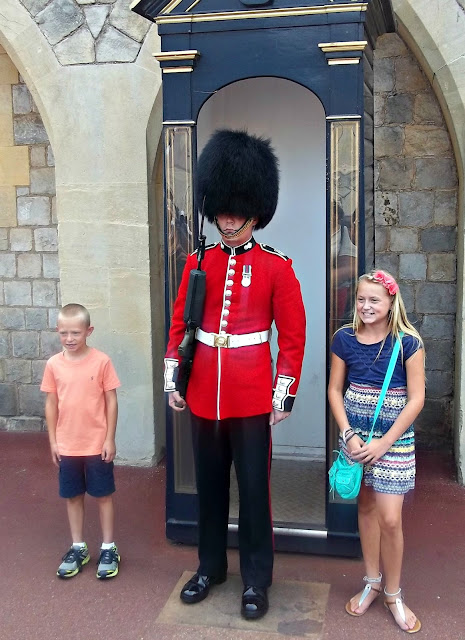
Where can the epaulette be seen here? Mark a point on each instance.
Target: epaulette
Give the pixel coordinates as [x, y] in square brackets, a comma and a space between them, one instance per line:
[266, 247]
[208, 246]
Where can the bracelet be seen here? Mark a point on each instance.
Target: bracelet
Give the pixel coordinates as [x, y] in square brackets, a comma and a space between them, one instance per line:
[349, 437]
[345, 433]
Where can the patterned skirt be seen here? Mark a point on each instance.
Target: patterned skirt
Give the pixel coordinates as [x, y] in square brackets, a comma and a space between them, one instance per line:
[395, 471]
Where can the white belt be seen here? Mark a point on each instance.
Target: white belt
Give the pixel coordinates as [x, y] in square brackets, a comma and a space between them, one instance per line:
[229, 341]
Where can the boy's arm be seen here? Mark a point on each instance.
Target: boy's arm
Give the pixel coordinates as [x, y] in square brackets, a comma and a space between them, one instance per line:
[111, 404]
[51, 416]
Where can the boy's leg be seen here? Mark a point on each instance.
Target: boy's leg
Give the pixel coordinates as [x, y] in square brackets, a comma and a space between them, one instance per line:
[107, 517]
[75, 507]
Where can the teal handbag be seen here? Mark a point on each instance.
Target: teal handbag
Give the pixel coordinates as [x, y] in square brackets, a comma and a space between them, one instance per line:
[346, 477]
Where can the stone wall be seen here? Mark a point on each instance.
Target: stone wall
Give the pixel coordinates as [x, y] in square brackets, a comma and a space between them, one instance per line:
[29, 274]
[416, 218]
[89, 31]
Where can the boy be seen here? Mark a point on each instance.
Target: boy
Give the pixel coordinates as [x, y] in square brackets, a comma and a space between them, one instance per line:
[81, 411]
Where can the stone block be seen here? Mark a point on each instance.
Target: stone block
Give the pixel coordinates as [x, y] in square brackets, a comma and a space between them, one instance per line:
[2, 298]
[14, 166]
[25, 423]
[381, 239]
[54, 211]
[6, 105]
[22, 191]
[114, 46]
[31, 400]
[4, 347]
[3, 424]
[389, 45]
[20, 239]
[389, 141]
[29, 265]
[435, 173]
[389, 262]
[426, 109]
[442, 267]
[77, 48]
[38, 367]
[396, 173]
[37, 156]
[407, 290]
[52, 318]
[29, 129]
[438, 239]
[6, 131]
[412, 266]
[436, 297]
[44, 293]
[34, 210]
[59, 19]
[416, 208]
[7, 265]
[46, 239]
[50, 157]
[3, 239]
[51, 266]
[34, 6]
[128, 22]
[18, 292]
[7, 206]
[25, 344]
[8, 399]
[22, 102]
[439, 355]
[399, 108]
[445, 207]
[409, 76]
[18, 371]
[403, 239]
[43, 181]
[384, 75]
[11, 318]
[379, 108]
[95, 17]
[423, 140]
[36, 319]
[438, 327]
[433, 425]
[49, 344]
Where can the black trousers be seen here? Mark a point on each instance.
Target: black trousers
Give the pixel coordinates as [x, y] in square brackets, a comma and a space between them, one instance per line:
[247, 442]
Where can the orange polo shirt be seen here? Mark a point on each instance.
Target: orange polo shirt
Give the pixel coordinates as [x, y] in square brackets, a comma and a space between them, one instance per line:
[80, 386]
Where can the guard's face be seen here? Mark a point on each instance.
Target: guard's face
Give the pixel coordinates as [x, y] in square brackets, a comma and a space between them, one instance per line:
[229, 224]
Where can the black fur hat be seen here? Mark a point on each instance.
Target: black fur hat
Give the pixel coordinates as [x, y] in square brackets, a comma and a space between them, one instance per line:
[237, 173]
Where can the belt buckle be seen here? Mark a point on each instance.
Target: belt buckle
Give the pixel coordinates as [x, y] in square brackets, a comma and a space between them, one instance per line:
[220, 340]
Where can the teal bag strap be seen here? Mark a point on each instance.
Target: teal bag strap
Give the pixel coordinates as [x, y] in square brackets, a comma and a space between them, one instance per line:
[387, 380]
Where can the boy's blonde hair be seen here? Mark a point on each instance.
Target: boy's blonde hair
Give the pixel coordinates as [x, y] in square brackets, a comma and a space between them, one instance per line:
[72, 310]
[397, 317]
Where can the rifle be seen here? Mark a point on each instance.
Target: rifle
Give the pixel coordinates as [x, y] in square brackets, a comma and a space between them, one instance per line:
[193, 311]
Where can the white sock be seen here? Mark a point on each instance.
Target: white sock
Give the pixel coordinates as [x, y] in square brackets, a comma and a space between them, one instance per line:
[79, 545]
[107, 545]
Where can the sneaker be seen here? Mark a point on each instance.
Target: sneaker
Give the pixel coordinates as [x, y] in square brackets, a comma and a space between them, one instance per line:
[73, 561]
[108, 563]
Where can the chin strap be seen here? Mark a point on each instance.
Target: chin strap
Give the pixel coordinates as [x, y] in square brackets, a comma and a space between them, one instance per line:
[245, 226]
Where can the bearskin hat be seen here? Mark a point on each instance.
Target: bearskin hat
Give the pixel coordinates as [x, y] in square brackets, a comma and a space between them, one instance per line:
[238, 173]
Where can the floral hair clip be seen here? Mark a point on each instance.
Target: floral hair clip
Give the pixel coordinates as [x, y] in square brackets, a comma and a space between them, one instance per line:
[387, 281]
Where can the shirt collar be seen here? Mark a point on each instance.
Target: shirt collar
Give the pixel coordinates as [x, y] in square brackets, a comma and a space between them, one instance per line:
[237, 251]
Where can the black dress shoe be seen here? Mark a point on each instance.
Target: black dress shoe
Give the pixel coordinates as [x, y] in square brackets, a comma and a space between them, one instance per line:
[198, 587]
[254, 603]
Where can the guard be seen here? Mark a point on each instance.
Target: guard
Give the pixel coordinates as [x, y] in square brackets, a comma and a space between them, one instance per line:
[231, 393]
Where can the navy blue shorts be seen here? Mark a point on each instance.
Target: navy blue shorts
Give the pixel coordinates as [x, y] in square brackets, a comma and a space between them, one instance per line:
[79, 474]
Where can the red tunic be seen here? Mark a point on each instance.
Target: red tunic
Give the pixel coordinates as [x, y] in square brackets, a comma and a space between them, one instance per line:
[247, 287]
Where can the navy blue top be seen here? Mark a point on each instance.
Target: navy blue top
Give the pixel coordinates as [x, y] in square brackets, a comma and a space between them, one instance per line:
[362, 365]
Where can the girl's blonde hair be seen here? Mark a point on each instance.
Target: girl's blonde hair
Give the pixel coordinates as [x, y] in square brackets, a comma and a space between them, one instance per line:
[397, 317]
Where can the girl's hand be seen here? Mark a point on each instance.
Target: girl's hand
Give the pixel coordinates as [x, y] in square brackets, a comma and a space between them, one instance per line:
[354, 445]
[371, 453]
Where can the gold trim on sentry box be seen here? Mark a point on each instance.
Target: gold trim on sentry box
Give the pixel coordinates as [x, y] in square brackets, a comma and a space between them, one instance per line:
[188, 54]
[334, 61]
[335, 47]
[263, 13]
[177, 70]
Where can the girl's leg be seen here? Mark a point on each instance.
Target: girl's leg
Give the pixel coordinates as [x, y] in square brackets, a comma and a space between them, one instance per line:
[75, 508]
[107, 517]
[370, 540]
[389, 508]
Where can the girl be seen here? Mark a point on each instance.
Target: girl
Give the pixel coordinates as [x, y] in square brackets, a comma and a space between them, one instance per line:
[361, 352]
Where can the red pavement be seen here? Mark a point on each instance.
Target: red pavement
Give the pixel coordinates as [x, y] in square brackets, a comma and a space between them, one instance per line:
[35, 605]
